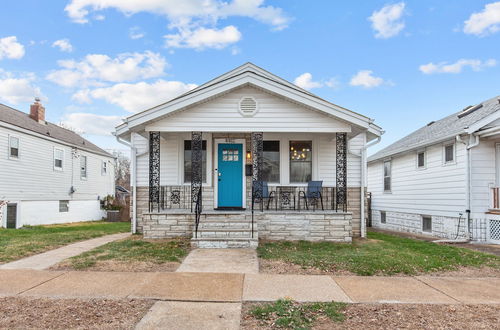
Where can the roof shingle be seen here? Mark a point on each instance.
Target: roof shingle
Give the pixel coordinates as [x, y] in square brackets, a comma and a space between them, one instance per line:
[23, 120]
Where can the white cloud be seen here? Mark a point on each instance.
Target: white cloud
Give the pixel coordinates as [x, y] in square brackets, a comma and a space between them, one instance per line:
[332, 83]
[10, 48]
[17, 89]
[194, 21]
[484, 22]
[89, 123]
[135, 97]
[186, 10]
[387, 22]
[96, 68]
[204, 38]
[457, 67]
[64, 45]
[366, 79]
[136, 33]
[305, 81]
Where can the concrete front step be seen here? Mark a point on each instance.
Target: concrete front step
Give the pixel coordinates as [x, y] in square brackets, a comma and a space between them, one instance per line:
[225, 234]
[225, 243]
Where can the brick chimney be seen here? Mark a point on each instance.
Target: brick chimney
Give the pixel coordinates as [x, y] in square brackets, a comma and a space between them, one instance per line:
[37, 111]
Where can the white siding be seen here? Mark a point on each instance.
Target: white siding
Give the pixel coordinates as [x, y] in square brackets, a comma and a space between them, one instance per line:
[436, 190]
[32, 176]
[275, 114]
[324, 157]
[483, 175]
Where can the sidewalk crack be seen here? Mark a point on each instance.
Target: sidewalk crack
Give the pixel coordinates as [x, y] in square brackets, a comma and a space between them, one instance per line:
[50, 279]
[438, 290]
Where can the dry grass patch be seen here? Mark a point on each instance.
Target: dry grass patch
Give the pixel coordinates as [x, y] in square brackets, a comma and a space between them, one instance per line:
[381, 316]
[44, 313]
[134, 254]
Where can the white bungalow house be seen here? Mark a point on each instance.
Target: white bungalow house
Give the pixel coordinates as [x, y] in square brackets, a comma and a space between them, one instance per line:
[205, 163]
[443, 179]
[49, 174]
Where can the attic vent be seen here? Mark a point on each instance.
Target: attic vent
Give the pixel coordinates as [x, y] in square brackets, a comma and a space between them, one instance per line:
[248, 106]
[432, 122]
[469, 110]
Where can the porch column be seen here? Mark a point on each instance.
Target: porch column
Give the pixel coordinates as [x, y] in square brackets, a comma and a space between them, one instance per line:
[154, 170]
[196, 168]
[257, 154]
[341, 174]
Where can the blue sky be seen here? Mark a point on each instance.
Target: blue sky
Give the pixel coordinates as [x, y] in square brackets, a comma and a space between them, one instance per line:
[403, 63]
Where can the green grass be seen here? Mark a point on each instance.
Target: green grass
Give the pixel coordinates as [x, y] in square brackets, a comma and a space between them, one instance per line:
[133, 249]
[289, 314]
[383, 254]
[19, 243]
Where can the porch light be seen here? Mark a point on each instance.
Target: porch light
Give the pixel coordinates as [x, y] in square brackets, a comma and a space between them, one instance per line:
[249, 155]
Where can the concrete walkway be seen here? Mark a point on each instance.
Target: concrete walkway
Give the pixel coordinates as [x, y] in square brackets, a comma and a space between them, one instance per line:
[52, 257]
[237, 288]
[242, 261]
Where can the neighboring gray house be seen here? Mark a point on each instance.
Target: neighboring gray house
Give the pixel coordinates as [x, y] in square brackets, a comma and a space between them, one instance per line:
[49, 174]
[443, 179]
[222, 139]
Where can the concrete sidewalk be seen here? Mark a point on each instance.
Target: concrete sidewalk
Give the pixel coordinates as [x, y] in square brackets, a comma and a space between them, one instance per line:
[52, 257]
[234, 288]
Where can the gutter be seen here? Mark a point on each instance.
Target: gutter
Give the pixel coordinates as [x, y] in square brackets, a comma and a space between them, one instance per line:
[133, 179]
[362, 154]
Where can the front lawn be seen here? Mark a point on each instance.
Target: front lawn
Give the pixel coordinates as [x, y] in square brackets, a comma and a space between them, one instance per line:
[131, 254]
[381, 254]
[26, 241]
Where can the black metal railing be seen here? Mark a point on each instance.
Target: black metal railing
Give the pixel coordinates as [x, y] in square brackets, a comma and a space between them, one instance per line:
[197, 211]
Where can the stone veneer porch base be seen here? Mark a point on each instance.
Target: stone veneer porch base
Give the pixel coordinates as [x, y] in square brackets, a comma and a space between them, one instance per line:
[235, 227]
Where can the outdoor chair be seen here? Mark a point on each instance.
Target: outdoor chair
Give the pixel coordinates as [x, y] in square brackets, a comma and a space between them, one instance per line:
[266, 195]
[313, 195]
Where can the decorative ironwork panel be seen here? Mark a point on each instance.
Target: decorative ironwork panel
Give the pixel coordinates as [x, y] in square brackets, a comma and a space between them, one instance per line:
[257, 155]
[341, 177]
[154, 170]
[196, 166]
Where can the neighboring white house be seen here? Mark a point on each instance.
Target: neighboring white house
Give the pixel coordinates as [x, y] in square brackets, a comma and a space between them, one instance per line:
[49, 174]
[249, 126]
[443, 179]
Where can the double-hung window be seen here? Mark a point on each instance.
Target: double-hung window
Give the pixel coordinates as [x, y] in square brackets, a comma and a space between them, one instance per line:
[83, 167]
[58, 159]
[300, 161]
[187, 161]
[387, 175]
[271, 161]
[13, 147]
[449, 153]
[104, 167]
[421, 159]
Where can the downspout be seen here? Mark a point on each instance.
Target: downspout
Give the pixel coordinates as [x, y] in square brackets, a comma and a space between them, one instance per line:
[133, 176]
[362, 154]
[468, 169]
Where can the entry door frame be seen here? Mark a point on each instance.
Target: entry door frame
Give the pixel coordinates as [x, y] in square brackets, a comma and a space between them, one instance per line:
[216, 168]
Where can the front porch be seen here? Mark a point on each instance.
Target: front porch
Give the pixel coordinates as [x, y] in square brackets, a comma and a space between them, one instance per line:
[232, 188]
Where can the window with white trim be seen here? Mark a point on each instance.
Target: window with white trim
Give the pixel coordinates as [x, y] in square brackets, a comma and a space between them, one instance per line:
[426, 224]
[13, 147]
[383, 217]
[449, 153]
[421, 159]
[300, 161]
[63, 206]
[83, 167]
[271, 161]
[387, 175]
[187, 161]
[104, 167]
[58, 158]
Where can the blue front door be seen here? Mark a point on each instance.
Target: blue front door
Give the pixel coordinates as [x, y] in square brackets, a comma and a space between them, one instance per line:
[230, 175]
